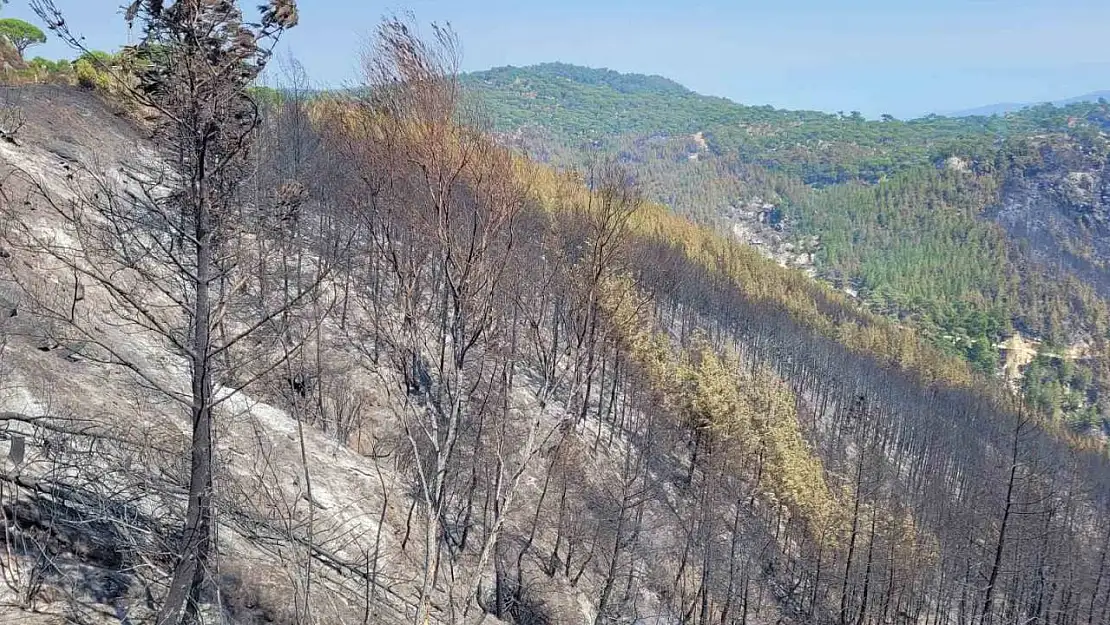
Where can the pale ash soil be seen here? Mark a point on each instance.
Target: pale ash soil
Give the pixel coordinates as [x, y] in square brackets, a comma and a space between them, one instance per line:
[359, 505]
[65, 130]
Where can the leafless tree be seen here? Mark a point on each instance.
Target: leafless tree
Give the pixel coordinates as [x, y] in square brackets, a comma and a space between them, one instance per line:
[159, 243]
[439, 211]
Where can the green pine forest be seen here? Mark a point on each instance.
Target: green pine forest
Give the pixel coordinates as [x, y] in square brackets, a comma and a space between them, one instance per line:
[901, 209]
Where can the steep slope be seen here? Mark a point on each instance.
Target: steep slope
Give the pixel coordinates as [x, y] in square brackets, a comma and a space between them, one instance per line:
[943, 223]
[1059, 201]
[91, 506]
[317, 504]
[653, 423]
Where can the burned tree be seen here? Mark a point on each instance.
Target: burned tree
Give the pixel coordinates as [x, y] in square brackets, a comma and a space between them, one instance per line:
[160, 244]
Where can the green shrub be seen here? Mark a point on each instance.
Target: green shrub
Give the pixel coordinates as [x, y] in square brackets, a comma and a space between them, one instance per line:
[87, 74]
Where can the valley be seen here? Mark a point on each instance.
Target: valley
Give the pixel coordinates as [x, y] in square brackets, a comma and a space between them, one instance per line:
[535, 346]
[971, 229]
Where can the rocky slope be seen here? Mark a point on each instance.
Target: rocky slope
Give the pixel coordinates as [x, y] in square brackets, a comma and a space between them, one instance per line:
[672, 430]
[1059, 205]
[318, 517]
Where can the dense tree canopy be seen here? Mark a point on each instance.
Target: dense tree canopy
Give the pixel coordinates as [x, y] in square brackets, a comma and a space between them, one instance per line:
[22, 34]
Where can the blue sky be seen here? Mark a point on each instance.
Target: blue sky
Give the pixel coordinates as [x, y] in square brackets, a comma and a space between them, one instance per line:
[904, 57]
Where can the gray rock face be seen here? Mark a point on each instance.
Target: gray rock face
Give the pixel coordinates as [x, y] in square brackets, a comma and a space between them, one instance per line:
[1061, 210]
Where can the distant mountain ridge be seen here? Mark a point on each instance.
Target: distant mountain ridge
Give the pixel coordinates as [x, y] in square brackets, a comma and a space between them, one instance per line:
[634, 84]
[574, 106]
[1002, 108]
[600, 77]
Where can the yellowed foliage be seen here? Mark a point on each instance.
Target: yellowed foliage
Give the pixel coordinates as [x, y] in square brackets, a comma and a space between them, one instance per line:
[763, 281]
[746, 414]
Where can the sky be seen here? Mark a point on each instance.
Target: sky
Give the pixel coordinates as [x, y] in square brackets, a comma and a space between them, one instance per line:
[902, 57]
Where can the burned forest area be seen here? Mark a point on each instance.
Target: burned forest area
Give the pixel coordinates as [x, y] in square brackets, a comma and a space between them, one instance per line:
[302, 357]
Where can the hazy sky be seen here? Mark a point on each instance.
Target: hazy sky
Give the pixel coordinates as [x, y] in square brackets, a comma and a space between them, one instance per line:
[904, 57]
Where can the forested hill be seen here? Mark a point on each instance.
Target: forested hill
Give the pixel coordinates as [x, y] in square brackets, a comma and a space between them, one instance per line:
[975, 230]
[577, 105]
